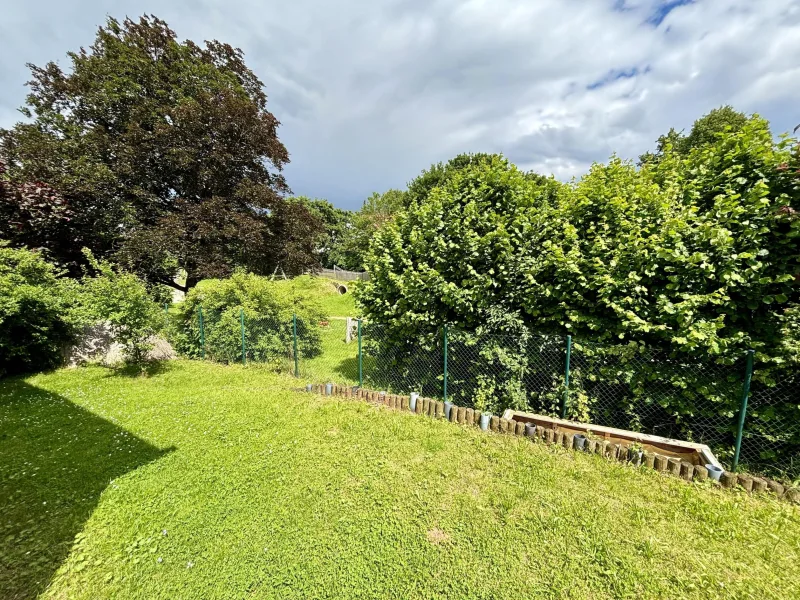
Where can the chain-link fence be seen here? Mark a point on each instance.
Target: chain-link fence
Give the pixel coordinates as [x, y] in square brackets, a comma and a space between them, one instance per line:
[337, 359]
[413, 363]
[641, 389]
[771, 432]
[493, 372]
[627, 386]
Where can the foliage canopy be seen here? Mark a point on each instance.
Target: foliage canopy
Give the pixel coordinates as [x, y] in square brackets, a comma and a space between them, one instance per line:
[267, 306]
[694, 255]
[165, 156]
[37, 316]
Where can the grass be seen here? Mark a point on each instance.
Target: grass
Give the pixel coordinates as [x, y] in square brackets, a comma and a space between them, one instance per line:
[335, 304]
[210, 481]
[338, 360]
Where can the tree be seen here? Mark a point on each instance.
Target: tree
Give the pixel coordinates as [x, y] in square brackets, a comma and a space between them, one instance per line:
[337, 223]
[438, 174]
[690, 260]
[694, 254]
[705, 131]
[34, 214]
[376, 212]
[145, 138]
[454, 254]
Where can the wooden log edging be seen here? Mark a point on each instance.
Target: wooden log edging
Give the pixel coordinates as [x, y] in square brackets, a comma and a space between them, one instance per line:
[536, 433]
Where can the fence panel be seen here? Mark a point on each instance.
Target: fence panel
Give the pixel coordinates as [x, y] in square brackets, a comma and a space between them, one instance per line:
[641, 389]
[336, 361]
[402, 366]
[521, 371]
[771, 440]
[343, 275]
[270, 340]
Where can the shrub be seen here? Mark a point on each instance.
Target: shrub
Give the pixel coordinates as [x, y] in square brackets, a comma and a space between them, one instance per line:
[693, 258]
[268, 307]
[123, 301]
[37, 315]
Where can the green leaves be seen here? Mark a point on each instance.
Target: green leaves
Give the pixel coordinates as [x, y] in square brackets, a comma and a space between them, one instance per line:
[39, 313]
[172, 140]
[694, 254]
[268, 308]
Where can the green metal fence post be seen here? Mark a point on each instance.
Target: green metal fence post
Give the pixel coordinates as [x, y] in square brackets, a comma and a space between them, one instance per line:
[748, 376]
[294, 340]
[244, 350]
[202, 332]
[444, 387]
[565, 398]
[360, 358]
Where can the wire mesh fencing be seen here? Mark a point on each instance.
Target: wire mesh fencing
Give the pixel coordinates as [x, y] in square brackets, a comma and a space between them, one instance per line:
[337, 358]
[402, 365]
[771, 432]
[650, 391]
[496, 371]
[627, 386]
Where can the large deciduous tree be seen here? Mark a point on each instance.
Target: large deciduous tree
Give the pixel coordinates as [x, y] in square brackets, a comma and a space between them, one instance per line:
[165, 154]
[377, 211]
[338, 225]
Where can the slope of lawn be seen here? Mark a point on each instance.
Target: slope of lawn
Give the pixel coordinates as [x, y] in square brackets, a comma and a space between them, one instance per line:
[208, 481]
[337, 361]
[333, 303]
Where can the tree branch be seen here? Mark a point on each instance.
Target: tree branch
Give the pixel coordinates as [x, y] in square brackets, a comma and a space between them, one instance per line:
[173, 285]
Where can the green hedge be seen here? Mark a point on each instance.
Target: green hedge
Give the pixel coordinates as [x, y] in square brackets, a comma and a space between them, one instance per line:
[268, 307]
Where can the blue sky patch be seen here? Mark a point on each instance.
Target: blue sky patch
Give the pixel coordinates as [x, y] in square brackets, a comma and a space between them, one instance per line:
[664, 9]
[615, 75]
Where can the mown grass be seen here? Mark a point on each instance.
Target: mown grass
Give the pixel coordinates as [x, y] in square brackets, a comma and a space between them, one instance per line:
[338, 360]
[210, 481]
[335, 304]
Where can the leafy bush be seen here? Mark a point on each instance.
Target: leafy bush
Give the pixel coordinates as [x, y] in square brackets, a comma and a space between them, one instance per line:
[123, 301]
[37, 315]
[693, 257]
[267, 306]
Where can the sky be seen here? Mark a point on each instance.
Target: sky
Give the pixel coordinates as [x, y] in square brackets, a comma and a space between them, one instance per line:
[370, 93]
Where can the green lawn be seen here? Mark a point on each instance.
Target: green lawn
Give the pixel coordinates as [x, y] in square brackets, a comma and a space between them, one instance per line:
[335, 304]
[338, 361]
[210, 481]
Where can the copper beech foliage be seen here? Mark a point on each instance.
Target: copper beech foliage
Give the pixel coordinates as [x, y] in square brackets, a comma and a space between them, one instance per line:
[163, 153]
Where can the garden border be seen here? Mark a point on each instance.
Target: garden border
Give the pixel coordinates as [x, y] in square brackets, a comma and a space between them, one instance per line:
[552, 436]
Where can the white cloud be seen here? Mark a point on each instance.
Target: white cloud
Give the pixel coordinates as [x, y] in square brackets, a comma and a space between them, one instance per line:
[370, 93]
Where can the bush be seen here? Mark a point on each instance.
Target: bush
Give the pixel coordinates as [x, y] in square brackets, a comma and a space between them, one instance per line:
[693, 258]
[38, 319]
[267, 306]
[123, 301]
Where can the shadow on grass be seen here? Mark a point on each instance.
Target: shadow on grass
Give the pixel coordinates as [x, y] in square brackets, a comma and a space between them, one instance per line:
[55, 461]
[347, 368]
[147, 369]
